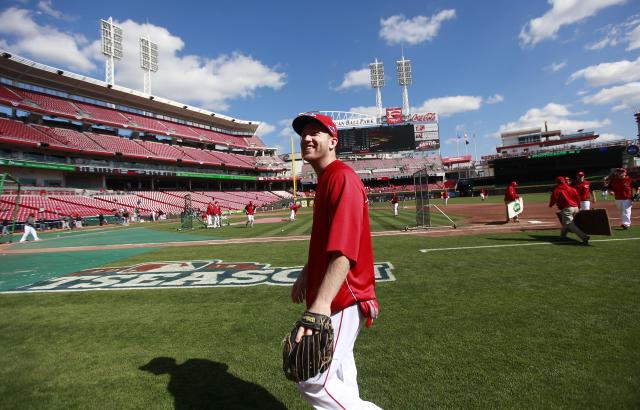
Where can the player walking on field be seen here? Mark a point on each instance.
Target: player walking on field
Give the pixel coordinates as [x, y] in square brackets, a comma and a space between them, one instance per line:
[338, 278]
[584, 191]
[511, 195]
[394, 203]
[567, 200]
[620, 184]
[250, 210]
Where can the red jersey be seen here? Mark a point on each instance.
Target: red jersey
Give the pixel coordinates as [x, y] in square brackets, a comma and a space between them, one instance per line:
[295, 208]
[394, 198]
[510, 194]
[445, 194]
[341, 224]
[564, 196]
[218, 210]
[621, 188]
[583, 188]
[211, 209]
[251, 209]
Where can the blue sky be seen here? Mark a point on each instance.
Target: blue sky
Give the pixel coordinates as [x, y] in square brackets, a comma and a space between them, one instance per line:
[484, 66]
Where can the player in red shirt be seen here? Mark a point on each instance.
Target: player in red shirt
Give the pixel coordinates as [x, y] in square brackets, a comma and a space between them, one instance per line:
[584, 191]
[211, 211]
[250, 210]
[217, 216]
[567, 200]
[511, 195]
[445, 195]
[620, 184]
[338, 279]
[294, 210]
[394, 203]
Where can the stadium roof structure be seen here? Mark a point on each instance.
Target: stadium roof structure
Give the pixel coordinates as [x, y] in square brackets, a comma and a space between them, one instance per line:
[24, 70]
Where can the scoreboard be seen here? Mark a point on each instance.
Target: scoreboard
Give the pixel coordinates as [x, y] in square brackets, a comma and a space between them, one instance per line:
[390, 138]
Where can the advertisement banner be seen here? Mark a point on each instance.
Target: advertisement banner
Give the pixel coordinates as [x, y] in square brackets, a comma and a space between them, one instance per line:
[394, 115]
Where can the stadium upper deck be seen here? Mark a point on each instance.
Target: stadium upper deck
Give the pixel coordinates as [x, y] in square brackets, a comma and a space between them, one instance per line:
[83, 125]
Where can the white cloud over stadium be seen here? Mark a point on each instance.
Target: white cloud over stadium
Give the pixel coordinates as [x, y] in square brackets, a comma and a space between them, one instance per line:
[401, 30]
[210, 82]
[562, 13]
[557, 117]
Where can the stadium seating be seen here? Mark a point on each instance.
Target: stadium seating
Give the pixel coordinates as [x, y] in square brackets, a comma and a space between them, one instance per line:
[18, 132]
[8, 95]
[49, 104]
[103, 115]
[119, 145]
[74, 140]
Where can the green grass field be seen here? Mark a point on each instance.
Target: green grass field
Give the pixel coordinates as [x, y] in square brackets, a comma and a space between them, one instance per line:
[513, 320]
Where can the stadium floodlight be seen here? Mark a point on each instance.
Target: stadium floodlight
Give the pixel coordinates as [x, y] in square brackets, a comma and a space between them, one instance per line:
[148, 60]
[403, 68]
[111, 40]
[377, 81]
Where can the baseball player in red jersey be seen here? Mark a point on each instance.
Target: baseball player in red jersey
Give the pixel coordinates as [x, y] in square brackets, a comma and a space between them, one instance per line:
[338, 279]
[567, 200]
[620, 184]
[394, 203]
[294, 210]
[250, 210]
[584, 191]
[217, 217]
[210, 214]
[511, 195]
[445, 196]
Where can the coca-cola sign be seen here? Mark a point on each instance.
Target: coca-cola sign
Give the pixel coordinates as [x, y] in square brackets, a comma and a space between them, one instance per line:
[426, 117]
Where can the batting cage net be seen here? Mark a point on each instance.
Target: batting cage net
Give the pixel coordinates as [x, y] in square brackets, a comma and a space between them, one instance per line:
[9, 211]
[190, 215]
[428, 215]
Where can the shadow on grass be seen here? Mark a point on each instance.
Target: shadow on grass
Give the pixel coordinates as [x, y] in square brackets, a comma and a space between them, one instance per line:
[556, 240]
[203, 384]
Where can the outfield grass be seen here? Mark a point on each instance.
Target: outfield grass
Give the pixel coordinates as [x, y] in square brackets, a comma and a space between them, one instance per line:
[541, 326]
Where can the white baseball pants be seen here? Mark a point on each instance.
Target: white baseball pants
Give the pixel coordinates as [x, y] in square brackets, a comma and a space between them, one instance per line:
[585, 205]
[624, 205]
[29, 230]
[337, 387]
[395, 209]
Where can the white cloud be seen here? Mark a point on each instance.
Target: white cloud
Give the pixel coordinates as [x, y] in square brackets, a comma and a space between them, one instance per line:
[609, 73]
[448, 106]
[22, 35]
[556, 66]
[615, 34]
[356, 78]
[609, 137]
[365, 110]
[634, 39]
[398, 29]
[264, 129]
[47, 8]
[562, 13]
[557, 116]
[494, 99]
[207, 82]
[627, 96]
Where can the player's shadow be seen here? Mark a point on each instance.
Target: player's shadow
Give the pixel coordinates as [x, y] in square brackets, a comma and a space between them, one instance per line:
[203, 384]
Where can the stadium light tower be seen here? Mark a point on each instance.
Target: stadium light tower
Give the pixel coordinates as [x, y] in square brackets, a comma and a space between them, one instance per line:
[377, 82]
[111, 39]
[148, 60]
[403, 68]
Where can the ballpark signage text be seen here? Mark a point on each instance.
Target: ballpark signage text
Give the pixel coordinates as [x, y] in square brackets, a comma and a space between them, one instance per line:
[182, 274]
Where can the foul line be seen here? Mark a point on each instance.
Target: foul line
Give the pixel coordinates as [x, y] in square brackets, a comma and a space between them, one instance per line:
[522, 244]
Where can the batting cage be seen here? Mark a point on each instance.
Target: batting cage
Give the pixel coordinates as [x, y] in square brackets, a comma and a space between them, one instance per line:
[428, 215]
[189, 215]
[10, 187]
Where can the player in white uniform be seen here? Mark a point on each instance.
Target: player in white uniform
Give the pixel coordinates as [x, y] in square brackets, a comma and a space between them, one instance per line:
[29, 229]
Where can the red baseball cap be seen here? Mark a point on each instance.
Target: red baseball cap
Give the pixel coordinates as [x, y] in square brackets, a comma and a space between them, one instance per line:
[580, 174]
[561, 180]
[305, 118]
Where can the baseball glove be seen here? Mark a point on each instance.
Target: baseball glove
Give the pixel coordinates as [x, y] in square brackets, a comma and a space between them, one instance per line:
[312, 356]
